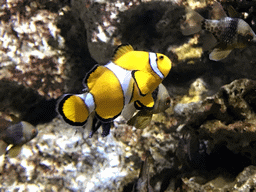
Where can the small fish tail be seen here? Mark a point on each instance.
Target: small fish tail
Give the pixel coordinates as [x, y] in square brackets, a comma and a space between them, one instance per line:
[75, 109]
[192, 23]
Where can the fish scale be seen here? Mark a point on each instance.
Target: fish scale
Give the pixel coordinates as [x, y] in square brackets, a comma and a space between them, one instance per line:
[229, 33]
[226, 36]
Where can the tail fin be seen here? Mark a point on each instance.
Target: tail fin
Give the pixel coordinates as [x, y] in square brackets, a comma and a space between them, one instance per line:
[193, 22]
[73, 109]
[3, 146]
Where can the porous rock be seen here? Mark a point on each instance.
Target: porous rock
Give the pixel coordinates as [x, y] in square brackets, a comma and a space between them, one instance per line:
[60, 158]
[221, 140]
[69, 37]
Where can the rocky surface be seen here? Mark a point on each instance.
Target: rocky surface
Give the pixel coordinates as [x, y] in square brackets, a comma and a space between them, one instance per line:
[204, 142]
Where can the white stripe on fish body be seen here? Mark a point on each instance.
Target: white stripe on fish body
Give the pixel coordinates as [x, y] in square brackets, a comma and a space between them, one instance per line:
[125, 78]
[153, 64]
[88, 100]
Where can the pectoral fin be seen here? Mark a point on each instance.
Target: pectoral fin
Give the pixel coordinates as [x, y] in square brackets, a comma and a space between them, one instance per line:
[92, 76]
[232, 12]
[145, 102]
[141, 120]
[142, 80]
[14, 151]
[219, 54]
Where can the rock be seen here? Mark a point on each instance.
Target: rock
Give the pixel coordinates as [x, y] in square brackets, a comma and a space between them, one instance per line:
[221, 140]
[205, 141]
[59, 158]
[31, 48]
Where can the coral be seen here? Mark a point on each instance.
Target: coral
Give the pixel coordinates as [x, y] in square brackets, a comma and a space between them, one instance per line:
[205, 141]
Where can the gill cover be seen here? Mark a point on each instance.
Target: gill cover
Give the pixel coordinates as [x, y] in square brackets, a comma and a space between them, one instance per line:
[73, 110]
[164, 64]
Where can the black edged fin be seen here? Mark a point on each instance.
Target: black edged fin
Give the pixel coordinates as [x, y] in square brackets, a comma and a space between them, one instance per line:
[105, 129]
[142, 79]
[121, 50]
[217, 11]
[232, 12]
[147, 101]
[96, 125]
[60, 111]
[85, 80]
[136, 83]
[193, 22]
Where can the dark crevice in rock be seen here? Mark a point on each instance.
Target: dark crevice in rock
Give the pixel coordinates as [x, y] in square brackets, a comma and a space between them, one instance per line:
[142, 26]
[79, 59]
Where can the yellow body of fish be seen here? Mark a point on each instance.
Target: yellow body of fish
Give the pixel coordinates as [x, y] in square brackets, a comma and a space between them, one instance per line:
[131, 76]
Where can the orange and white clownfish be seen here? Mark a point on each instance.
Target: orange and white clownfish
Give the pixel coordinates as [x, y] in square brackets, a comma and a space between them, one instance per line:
[131, 76]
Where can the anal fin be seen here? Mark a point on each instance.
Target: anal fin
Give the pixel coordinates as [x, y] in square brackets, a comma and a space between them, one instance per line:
[14, 151]
[209, 41]
[218, 54]
[141, 120]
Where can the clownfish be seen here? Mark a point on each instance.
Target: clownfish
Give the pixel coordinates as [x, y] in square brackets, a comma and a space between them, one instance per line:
[224, 33]
[130, 77]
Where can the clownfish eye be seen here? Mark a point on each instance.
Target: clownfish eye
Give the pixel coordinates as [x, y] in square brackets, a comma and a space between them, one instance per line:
[161, 57]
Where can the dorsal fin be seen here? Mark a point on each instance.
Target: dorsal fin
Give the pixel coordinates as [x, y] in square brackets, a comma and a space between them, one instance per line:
[121, 50]
[232, 12]
[217, 11]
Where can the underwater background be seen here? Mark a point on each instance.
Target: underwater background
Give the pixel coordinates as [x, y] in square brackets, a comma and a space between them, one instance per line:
[206, 140]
